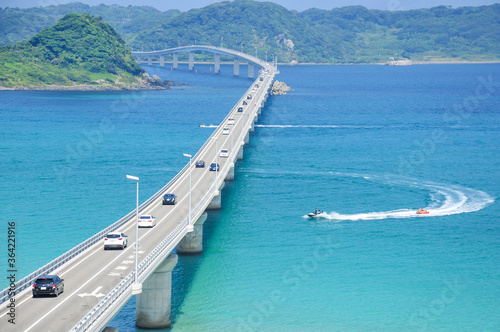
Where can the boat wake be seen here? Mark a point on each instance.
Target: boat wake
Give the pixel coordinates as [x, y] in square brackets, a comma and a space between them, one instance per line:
[445, 200]
[208, 126]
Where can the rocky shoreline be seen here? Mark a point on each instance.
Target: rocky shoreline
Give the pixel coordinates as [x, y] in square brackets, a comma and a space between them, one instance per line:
[144, 83]
[279, 88]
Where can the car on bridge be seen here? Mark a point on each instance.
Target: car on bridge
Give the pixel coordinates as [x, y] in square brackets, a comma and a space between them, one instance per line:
[225, 131]
[245, 102]
[261, 78]
[249, 96]
[147, 221]
[240, 109]
[230, 121]
[224, 153]
[115, 240]
[169, 199]
[48, 285]
[200, 164]
[213, 167]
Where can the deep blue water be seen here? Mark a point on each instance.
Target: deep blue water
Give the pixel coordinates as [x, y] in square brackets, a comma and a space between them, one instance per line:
[369, 145]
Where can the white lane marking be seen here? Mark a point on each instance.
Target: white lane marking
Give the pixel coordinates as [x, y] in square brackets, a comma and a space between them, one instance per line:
[149, 211]
[133, 221]
[121, 267]
[94, 293]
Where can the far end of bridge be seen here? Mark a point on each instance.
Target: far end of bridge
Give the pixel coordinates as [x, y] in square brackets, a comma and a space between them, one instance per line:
[251, 61]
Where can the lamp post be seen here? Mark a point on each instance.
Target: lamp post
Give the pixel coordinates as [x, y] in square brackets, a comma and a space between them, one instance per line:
[136, 287]
[190, 169]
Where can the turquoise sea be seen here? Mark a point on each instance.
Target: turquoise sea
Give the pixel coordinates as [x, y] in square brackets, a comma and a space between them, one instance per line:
[368, 145]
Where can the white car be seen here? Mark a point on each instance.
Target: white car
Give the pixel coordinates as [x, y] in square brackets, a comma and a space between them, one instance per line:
[225, 131]
[115, 240]
[147, 221]
[224, 153]
[230, 121]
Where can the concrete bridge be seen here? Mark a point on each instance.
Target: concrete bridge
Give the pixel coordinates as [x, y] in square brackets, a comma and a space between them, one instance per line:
[98, 283]
[217, 51]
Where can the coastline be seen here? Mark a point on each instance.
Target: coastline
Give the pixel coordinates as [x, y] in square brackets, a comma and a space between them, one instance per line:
[84, 87]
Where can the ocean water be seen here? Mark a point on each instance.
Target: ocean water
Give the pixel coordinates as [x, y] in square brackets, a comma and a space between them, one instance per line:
[368, 145]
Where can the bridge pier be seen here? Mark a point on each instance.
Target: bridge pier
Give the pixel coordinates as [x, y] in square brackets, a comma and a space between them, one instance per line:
[259, 111]
[162, 61]
[192, 243]
[153, 307]
[246, 139]
[216, 202]
[256, 118]
[252, 128]
[236, 67]
[176, 61]
[250, 70]
[150, 60]
[191, 60]
[239, 155]
[230, 174]
[217, 64]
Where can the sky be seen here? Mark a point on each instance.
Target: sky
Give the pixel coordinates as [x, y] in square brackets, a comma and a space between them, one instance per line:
[299, 5]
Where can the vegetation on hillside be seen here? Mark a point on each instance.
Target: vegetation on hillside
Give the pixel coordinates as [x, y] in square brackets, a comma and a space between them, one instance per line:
[17, 24]
[439, 33]
[351, 34]
[79, 49]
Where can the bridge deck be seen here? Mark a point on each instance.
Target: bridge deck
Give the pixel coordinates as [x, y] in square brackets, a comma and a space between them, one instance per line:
[95, 273]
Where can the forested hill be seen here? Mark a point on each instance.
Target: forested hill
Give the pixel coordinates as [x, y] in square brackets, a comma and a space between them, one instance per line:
[342, 35]
[17, 24]
[79, 49]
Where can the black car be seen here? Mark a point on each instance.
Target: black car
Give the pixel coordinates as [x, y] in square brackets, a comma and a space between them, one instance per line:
[48, 285]
[213, 166]
[245, 102]
[200, 164]
[240, 109]
[261, 78]
[169, 199]
[249, 97]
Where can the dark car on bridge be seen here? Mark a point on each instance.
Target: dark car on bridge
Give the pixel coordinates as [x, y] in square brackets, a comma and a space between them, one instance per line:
[249, 97]
[214, 166]
[200, 164]
[240, 109]
[48, 285]
[245, 102]
[169, 199]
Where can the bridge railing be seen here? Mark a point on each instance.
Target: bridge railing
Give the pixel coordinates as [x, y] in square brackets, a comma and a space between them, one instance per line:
[70, 254]
[124, 286]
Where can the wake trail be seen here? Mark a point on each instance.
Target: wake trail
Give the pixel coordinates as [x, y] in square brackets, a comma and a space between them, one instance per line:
[445, 200]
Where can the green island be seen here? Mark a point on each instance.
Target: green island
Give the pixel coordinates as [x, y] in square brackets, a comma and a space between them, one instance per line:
[79, 52]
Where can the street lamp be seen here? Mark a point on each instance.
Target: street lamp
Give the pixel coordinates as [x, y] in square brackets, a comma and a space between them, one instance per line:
[136, 287]
[190, 226]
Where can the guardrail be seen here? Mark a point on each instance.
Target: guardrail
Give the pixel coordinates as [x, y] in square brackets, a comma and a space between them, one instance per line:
[54, 264]
[126, 283]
